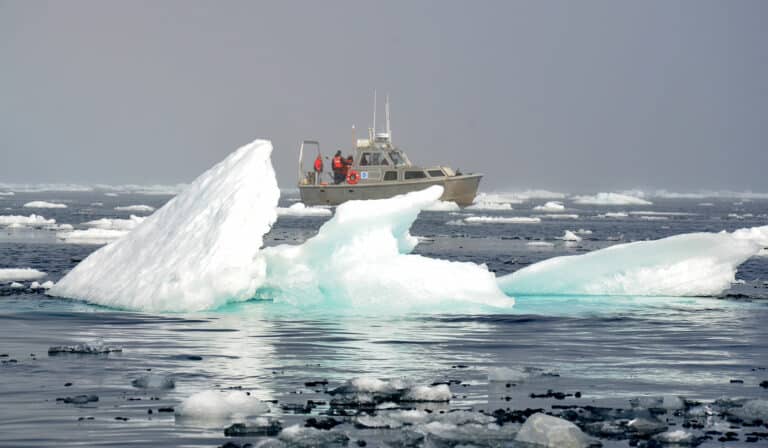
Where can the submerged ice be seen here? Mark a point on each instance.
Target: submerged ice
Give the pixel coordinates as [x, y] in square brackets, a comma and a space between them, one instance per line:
[203, 249]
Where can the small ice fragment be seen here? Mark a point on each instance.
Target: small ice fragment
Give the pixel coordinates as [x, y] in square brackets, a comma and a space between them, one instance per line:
[610, 199]
[216, 405]
[504, 374]
[84, 349]
[440, 392]
[299, 209]
[570, 236]
[443, 206]
[135, 208]
[12, 274]
[551, 206]
[553, 432]
[16, 285]
[299, 436]
[678, 437]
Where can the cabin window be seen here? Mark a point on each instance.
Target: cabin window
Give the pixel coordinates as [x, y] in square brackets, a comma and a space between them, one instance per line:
[415, 175]
[376, 158]
[365, 160]
[436, 173]
[390, 175]
[396, 157]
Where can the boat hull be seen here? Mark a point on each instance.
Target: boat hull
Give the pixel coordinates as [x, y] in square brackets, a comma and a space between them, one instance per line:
[460, 189]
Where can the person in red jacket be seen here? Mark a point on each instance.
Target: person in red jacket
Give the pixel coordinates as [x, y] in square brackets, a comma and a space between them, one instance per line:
[318, 165]
[338, 168]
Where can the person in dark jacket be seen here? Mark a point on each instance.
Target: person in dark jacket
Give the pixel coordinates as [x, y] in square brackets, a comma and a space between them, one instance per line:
[338, 168]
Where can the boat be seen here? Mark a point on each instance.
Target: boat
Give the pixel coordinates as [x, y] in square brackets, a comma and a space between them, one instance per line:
[379, 170]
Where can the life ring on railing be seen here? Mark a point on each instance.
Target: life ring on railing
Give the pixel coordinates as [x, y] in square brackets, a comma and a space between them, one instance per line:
[353, 177]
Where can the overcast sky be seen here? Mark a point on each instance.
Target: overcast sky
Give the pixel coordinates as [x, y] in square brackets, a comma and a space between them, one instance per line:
[570, 96]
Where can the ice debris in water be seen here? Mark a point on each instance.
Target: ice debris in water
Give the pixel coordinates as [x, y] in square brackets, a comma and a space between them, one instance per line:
[296, 435]
[16, 285]
[221, 405]
[84, 349]
[17, 221]
[197, 252]
[679, 437]
[44, 204]
[115, 224]
[91, 236]
[610, 199]
[373, 390]
[551, 206]
[695, 264]
[299, 209]
[10, 274]
[44, 285]
[502, 219]
[570, 236]
[154, 381]
[554, 432]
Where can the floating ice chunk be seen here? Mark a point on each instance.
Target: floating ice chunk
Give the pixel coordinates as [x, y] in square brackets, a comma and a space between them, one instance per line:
[43, 204]
[561, 216]
[672, 403]
[695, 264]
[9, 274]
[197, 252]
[570, 236]
[485, 205]
[361, 259]
[218, 405]
[502, 219]
[443, 206]
[752, 410]
[112, 195]
[613, 215]
[135, 208]
[654, 218]
[540, 244]
[7, 193]
[115, 224]
[678, 437]
[299, 209]
[504, 374]
[26, 221]
[545, 430]
[16, 285]
[610, 199]
[440, 392]
[551, 206]
[584, 232]
[91, 236]
[296, 435]
[47, 285]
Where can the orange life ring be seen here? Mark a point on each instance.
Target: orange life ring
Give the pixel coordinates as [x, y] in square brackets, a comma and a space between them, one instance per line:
[353, 177]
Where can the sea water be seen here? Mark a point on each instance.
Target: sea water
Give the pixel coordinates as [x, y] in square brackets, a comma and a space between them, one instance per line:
[611, 350]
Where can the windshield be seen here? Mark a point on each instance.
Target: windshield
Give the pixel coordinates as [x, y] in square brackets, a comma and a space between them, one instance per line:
[397, 157]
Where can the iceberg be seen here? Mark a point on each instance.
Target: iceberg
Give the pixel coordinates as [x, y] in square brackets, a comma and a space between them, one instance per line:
[44, 204]
[610, 199]
[693, 264]
[197, 252]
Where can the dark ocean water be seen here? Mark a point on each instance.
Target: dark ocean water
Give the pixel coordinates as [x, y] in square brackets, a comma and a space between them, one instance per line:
[609, 349]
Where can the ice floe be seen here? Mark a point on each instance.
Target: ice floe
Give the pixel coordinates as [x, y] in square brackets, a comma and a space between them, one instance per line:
[91, 236]
[16, 285]
[299, 209]
[584, 232]
[551, 206]
[19, 274]
[570, 236]
[613, 215]
[610, 199]
[552, 432]
[502, 220]
[26, 221]
[135, 208]
[542, 244]
[560, 216]
[7, 193]
[221, 405]
[485, 205]
[44, 204]
[695, 264]
[115, 223]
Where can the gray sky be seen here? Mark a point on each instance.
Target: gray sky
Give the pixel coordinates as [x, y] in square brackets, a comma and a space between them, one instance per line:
[571, 96]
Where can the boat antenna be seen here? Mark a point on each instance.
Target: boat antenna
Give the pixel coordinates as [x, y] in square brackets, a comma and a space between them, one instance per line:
[389, 130]
[354, 140]
[373, 133]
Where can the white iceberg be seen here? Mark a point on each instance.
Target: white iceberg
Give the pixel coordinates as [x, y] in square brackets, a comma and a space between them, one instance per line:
[44, 204]
[610, 199]
[115, 224]
[197, 252]
[17, 274]
[502, 219]
[135, 208]
[26, 221]
[551, 206]
[695, 264]
[216, 405]
[299, 209]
